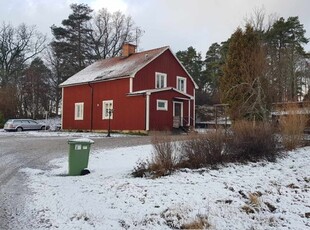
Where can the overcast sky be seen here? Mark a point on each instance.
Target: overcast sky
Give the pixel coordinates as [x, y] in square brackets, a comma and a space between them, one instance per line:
[177, 23]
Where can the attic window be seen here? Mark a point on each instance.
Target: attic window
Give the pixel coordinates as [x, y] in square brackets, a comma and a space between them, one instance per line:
[160, 80]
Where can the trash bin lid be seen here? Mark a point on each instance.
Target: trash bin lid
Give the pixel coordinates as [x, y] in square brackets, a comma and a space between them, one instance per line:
[81, 140]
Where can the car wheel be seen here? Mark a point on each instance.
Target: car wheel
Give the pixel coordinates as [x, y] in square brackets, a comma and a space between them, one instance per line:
[19, 129]
[43, 128]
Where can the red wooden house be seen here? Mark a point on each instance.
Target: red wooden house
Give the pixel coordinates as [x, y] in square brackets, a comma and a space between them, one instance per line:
[135, 92]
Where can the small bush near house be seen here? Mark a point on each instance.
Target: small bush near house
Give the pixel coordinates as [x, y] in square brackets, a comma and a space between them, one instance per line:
[252, 142]
[203, 150]
[292, 126]
[164, 158]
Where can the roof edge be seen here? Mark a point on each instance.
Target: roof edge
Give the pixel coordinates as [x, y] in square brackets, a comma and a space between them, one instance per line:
[88, 82]
[164, 49]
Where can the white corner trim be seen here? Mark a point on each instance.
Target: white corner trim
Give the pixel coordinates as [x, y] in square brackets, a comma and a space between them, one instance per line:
[62, 106]
[147, 112]
[189, 113]
[130, 84]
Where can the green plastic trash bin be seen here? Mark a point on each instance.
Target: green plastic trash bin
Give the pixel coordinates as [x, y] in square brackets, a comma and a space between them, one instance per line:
[78, 155]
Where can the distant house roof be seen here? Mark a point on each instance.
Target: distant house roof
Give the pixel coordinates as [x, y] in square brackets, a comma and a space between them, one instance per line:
[116, 67]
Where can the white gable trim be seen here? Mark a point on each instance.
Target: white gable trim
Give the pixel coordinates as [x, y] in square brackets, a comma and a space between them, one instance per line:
[196, 86]
[137, 70]
[168, 48]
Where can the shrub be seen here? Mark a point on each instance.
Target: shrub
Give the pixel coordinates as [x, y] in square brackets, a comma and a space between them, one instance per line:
[163, 161]
[292, 126]
[203, 150]
[252, 142]
[164, 158]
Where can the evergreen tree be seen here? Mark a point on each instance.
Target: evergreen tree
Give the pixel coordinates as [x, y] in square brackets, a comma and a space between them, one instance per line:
[72, 40]
[243, 82]
[213, 69]
[284, 42]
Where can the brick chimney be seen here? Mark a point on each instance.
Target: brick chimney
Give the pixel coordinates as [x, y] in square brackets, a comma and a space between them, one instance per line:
[128, 49]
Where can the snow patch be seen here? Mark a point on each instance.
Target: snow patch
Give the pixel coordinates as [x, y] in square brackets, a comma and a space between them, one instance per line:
[261, 195]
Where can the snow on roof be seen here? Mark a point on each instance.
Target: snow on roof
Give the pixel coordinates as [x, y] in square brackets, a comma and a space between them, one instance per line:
[116, 67]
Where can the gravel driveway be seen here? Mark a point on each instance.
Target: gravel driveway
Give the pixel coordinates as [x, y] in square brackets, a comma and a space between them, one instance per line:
[24, 151]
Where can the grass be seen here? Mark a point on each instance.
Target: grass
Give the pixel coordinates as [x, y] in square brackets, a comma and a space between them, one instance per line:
[292, 126]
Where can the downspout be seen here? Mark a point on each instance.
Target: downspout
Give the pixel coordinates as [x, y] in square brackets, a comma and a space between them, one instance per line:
[91, 106]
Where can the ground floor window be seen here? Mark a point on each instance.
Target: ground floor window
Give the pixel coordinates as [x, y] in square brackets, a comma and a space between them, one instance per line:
[162, 105]
[107, 109]
[79, 111]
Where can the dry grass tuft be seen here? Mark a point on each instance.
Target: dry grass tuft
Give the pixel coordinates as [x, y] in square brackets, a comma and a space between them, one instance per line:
[199, 223]
[203, 150]
[164, 158]
[252, 141]
[292, 126]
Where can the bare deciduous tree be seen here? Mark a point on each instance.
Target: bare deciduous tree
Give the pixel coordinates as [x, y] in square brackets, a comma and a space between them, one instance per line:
[17, 46]
[110, 31]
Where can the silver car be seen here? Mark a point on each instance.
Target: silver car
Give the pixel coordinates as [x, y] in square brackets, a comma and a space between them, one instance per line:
[23, 124]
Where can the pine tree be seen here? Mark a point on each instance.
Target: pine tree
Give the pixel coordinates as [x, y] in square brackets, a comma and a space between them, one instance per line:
[71, 44]
[213, 69]
[285, 41]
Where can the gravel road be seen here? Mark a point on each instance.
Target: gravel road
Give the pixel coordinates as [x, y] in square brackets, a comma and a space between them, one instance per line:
[23, 151]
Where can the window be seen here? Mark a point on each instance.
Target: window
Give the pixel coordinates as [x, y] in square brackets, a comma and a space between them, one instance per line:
[160, 80]
[181, 84]
[162, 105]
[107, 109]
[79, 111]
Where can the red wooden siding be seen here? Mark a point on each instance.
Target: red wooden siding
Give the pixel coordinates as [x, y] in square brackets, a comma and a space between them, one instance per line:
[129, 112]
[163, 120]
[72, 95]
[165, 63]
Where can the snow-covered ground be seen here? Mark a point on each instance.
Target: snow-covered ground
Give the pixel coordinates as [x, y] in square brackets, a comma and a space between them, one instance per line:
[254, 196]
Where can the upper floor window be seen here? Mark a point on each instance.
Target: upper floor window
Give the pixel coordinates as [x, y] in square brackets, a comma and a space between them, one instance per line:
[107, 109]
[79, 111]
[160, 80]
[181, 84]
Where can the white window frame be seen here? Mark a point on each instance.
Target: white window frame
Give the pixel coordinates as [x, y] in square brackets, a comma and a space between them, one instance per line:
[79, 111]
[105, 114]
[179, 79]
[165, 108]
[158, 80]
